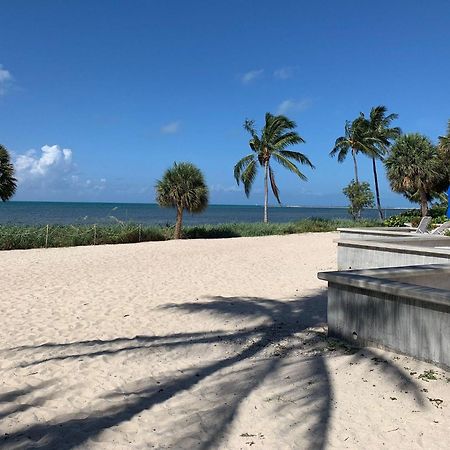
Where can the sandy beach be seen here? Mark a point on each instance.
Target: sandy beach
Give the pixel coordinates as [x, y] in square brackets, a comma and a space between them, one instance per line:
[201, 344]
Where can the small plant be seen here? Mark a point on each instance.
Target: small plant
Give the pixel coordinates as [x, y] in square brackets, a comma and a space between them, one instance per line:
[428, 375]
[360, 197]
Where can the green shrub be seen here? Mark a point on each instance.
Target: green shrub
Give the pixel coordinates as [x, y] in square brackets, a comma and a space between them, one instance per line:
[413, 216]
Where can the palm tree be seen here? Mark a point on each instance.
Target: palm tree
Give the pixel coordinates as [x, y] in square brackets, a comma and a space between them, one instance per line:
[381, 134]
[355, 140]
[182, 187]
[444, 141]
[8, 183]
[276, 135]
[416, 169]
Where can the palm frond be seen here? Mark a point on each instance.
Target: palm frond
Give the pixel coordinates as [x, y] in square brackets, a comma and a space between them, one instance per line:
[241, 165]
[289, 165]
[273, 184]
[248, 177]
[286, 139]
[297, 156]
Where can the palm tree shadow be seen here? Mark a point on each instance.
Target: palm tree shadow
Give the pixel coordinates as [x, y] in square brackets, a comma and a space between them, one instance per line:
[262, 353]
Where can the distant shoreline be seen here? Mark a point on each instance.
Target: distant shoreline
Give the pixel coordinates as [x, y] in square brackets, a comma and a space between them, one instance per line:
[241, 205]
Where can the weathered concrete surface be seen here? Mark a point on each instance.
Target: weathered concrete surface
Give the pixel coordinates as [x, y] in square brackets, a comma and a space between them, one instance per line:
[394, 308]
[393, 252]
[371, 234]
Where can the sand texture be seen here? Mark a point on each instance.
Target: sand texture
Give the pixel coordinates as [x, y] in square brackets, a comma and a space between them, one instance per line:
[199, 344]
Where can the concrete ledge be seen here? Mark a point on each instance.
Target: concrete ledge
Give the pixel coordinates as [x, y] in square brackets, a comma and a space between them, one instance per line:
[376, 233]
[396, 308]
[393, 252]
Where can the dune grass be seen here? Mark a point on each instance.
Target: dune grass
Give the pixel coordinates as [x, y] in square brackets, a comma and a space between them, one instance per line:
[26, 237]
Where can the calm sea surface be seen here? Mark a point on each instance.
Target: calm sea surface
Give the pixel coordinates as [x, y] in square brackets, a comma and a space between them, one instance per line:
[41, 213]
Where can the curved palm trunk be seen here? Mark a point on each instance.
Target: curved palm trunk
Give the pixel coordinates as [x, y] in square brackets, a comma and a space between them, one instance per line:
[179, 223]
[266, 191]
[423, 202]
[355, 164]
[377, 190]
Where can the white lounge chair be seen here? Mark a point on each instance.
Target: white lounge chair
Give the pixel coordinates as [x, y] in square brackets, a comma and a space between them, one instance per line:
[441, 229]
[422, 228]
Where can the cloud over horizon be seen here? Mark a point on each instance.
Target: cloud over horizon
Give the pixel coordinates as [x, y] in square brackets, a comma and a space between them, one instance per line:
[50, 161]
[51, 169]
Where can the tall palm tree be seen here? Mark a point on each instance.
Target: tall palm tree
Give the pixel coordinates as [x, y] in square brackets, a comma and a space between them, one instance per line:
[381, 134]
[277, 134]
[8, 183]
[416, 169]
[444, 141]
[355, 140]
[182, 187]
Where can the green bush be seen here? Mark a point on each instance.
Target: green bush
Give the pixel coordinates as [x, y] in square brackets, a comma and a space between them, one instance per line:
[413, 216]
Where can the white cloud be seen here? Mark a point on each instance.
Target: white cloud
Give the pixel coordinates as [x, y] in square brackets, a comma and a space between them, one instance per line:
[252, 75]
[52, 170]
[171, 127]
[5, 80]
[290, 105]
[50, 161]
[283, 73]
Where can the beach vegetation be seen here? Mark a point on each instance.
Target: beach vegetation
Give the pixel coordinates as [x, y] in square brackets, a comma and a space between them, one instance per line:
[437, 212]
[182, 187]
[360, 196]
[272, 143]
[416, 169]
[8, 182]
[27, 237]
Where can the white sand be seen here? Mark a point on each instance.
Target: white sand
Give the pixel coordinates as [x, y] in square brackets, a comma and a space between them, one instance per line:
[197, 344]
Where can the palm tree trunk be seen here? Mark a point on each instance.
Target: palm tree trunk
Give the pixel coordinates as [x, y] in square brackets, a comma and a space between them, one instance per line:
[179, 223]
[355, 165]
[423, 202]
[377, 190]
[266, 190]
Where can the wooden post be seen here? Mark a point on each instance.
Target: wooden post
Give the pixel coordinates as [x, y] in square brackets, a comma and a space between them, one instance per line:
[139, 233]
[46, 236]
[95, 234]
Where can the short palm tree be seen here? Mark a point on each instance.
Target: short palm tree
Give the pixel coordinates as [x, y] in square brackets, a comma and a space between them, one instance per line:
[182, 187]
[381, 134]
[416, 169]
[355, 140]
[276, 136]
[8, 183]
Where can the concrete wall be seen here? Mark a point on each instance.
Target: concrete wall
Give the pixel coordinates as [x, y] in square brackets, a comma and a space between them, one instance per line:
[370, 234]
[392, 252]
[411, 319]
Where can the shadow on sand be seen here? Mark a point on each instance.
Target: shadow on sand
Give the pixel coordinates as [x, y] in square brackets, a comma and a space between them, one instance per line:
[262, 354]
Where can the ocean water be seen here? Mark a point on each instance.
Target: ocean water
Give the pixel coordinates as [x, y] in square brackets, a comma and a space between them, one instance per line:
[42, 213]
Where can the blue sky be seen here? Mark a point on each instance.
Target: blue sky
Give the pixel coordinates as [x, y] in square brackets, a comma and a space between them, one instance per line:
[98, 98]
